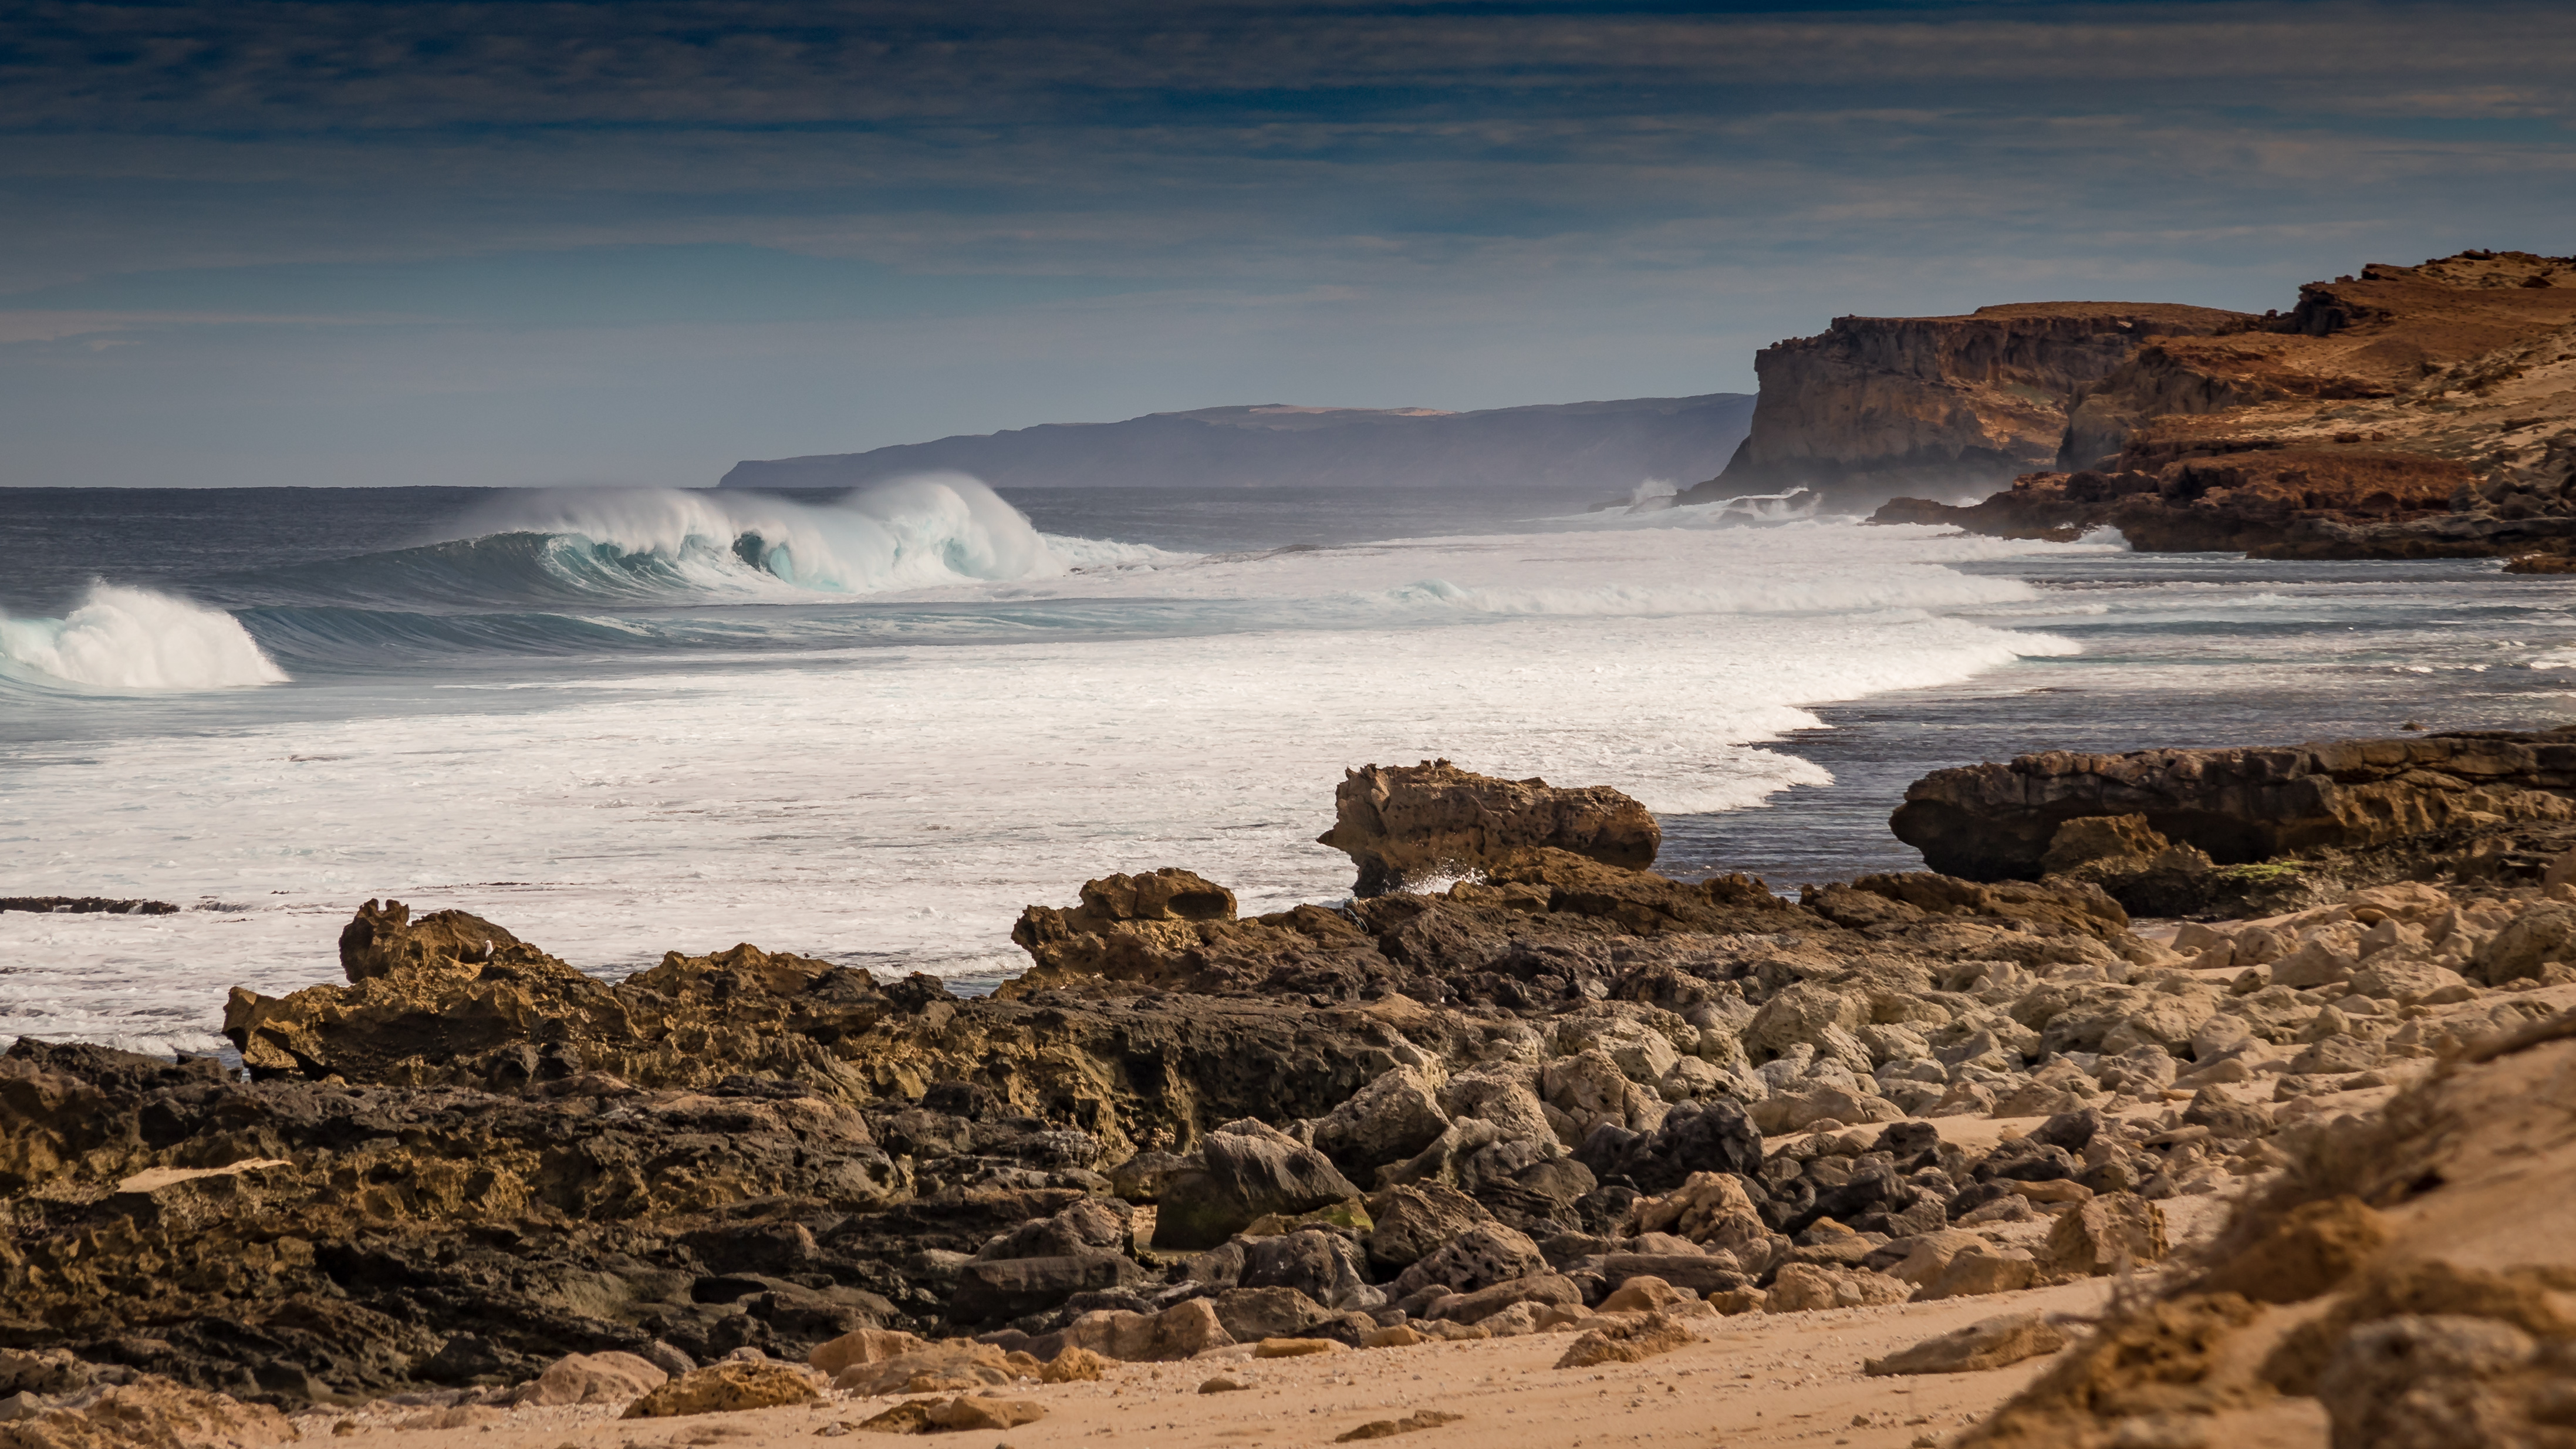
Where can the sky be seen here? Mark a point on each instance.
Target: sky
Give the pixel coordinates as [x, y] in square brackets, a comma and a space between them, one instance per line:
[343, 243]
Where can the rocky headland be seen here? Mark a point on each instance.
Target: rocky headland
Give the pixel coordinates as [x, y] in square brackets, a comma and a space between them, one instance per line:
[2407, 412]
[1520, 1089]
[1877, 406]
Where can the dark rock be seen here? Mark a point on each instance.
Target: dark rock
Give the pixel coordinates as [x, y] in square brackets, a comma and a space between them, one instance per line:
[1253, 1314]
[2070, 1130]
[1002, 1289]
[802, 1315]
[1220, 1266]
[753, 1247]
[1413, 1221]
[1907, 1141]
[2026, 1160]
[1086, 1227]
[1696, 1136]
[95, 905]
[1327, 1267]
[1246, 1171]
[1875, 1191]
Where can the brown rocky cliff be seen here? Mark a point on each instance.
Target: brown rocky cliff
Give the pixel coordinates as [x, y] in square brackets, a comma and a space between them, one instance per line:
[1876, 405]
[2410, 412]
[2379, 356]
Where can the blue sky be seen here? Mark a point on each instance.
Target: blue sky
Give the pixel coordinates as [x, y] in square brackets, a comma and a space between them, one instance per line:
[575, 242]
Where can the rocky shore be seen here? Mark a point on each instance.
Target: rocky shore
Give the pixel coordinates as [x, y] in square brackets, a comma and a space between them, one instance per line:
[1562, 1100]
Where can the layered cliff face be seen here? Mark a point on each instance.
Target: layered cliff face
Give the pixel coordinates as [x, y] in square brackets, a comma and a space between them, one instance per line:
[2410, 412]
[1879, 405]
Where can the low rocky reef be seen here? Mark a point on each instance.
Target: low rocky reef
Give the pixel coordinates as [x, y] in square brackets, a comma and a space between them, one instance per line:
[1560, 1093]
[2158, 828]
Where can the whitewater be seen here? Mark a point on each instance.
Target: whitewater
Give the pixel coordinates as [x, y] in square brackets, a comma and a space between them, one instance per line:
[874, 727]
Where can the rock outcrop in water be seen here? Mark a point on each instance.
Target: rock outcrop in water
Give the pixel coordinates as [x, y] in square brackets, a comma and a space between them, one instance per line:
[1433, 819]
[101, 905]
[2410, 412]
[1874, 406]
[1997, 822]
[1567, 1092]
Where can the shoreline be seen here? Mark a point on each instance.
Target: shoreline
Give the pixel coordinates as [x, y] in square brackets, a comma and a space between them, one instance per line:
[1571, 1098]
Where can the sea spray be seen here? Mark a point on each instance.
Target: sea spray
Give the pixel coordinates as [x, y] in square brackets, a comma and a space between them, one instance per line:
[912, 533]
[127, 638]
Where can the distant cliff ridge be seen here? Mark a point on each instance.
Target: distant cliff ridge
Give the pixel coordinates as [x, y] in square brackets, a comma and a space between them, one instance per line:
[1607, 446]
[1878, 406]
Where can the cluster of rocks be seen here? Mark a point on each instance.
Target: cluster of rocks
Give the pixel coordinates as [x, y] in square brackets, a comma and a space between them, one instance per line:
[2403, 1276]
[1562, 1094]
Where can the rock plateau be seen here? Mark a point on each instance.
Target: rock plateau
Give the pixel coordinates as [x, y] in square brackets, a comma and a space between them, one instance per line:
[2408, 412]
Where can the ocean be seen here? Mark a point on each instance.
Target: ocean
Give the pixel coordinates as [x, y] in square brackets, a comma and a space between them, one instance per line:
[872, 727]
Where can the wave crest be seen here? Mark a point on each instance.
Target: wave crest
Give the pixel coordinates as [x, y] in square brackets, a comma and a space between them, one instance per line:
[128, 638]
[925, 532]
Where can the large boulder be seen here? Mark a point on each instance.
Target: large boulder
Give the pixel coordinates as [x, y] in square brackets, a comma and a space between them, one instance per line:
[1484, 1255]
[1246, 1170]
[1421, 822]
[1089, 1226]
[2530, 941]
[1388, 1120]
[1253, 1314]
[1003, 1289]
[1327, 1267]
[2108, 1234]
[1413, 1221]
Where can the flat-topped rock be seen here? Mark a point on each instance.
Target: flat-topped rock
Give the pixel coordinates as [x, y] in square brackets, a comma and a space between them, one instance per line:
[1411, 823]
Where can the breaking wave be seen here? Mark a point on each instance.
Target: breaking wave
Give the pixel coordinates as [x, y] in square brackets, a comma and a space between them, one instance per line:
[646, 546]
[126, 638]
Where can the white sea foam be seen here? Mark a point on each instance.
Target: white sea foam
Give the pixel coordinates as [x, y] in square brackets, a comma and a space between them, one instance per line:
[898, 806]
[135, 639]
